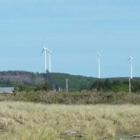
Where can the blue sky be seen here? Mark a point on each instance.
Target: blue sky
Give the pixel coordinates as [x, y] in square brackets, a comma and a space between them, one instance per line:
[73, 30]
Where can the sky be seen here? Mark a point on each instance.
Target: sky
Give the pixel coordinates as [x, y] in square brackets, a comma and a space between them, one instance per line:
[73, 30]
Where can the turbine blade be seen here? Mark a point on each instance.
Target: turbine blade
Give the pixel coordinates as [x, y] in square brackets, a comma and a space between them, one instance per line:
[41, 52]
[96, 52]
[128, 60]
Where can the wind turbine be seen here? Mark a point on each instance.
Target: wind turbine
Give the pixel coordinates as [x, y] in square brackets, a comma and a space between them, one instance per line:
[49, 52]
[98, 57]
[45, 49]
[131, 68]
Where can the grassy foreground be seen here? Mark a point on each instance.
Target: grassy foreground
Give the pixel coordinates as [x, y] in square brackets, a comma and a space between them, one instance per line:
[32, 121]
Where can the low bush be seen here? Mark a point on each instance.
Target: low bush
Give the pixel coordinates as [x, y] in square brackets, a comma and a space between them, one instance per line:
[83, 97]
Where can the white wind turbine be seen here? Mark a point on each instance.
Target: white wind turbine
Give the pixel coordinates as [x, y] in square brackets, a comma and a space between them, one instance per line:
[98, 57]
[49, 52]
[45, 49]
[131, 68]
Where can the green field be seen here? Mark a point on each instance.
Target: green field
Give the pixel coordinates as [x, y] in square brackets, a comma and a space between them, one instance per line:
[36, 121]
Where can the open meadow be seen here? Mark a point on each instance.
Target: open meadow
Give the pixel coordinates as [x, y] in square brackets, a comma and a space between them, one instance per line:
[37, 121]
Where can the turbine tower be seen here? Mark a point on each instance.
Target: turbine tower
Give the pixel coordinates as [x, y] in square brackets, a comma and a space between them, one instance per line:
[131, 68]
[98, 57]
[45, 49]
[49, 52]
[67, 86]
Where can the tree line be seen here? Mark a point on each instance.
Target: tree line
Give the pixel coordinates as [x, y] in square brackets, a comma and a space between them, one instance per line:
[108, 85]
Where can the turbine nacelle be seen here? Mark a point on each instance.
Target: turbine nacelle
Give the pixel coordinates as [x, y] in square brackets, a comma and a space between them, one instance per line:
[45, 48]
[49, 51]
[98, 55]
[130, 58]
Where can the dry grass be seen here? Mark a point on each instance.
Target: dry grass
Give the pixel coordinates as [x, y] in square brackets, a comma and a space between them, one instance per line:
[84, 97]
[31, 121]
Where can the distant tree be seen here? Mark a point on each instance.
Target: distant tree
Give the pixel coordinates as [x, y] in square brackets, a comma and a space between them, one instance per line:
[98, 85]
[116, 83]
[43, 87]
[107, 85]
[135, 86]
[21, 88]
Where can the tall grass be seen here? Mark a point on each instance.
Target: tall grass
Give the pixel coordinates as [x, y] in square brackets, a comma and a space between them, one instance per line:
[32, 121]
[83, 97]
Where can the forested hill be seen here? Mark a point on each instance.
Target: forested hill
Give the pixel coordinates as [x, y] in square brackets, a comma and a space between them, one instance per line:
[58, 81]
[55, 80]
[74, 81]
[14, 78]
